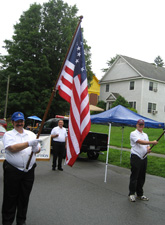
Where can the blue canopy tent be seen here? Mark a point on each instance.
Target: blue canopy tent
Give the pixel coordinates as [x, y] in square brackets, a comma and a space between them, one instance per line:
[34, 118]
[122, 116]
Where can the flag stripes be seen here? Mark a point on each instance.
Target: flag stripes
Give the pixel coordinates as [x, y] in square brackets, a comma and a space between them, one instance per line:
[72, 86]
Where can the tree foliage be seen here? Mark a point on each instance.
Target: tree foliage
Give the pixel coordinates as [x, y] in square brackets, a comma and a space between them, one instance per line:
[109, 63]
[122, 101]
[35, 56]
[101, 104]
[159, 61]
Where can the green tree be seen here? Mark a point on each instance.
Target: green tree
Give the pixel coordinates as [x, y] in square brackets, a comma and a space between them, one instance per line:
[101, 104]
[3, 88]
[159, 61]
[35, 56]
[122, 101]
[109, 63]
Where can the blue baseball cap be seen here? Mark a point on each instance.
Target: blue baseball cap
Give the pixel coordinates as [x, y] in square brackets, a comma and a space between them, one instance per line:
[17, 116]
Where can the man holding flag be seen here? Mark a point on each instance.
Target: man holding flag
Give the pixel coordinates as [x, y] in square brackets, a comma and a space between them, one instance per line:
[72, 86]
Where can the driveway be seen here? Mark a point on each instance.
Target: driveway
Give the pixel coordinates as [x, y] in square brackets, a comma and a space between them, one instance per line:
[79, 196]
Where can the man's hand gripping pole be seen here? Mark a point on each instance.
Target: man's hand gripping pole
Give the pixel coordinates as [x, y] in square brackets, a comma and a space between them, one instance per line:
[154, 145]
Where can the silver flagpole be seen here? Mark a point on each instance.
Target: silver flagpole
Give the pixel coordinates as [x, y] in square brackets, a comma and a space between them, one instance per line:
[106, 165]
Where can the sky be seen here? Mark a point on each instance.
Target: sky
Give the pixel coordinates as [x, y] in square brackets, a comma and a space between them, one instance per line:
[134, 28]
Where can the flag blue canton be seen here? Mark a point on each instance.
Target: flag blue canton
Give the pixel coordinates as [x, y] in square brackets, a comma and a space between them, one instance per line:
[77, 57]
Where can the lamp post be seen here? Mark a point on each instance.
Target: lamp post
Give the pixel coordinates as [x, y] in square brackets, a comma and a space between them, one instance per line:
[7, 92]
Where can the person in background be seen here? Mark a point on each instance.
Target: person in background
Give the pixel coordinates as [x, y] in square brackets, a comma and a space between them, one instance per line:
[59, 136]
[140, 145]
[18, 180]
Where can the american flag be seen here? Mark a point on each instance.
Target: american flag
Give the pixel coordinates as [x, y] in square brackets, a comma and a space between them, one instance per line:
[72, 86]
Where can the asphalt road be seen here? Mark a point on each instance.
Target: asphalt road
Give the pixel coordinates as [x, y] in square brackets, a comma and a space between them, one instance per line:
[79, 196]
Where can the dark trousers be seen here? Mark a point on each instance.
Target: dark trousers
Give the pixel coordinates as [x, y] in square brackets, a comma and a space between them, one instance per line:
[17, 188]
[138, 174]
[58, 152]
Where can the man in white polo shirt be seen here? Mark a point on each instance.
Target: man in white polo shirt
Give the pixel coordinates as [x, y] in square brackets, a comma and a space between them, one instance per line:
[59, 135]
[18, 180]
[139, 147]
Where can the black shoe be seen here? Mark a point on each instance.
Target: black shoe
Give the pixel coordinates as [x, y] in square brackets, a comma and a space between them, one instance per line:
[61, 169]
[53, 168]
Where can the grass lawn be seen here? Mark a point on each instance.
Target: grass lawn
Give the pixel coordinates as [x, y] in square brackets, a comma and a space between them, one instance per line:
[156, 166]
[116, 136]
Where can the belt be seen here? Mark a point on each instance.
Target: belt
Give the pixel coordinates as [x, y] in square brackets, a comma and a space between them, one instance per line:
[8, 165]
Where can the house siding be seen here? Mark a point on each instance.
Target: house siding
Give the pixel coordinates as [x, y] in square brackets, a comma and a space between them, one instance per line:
[123, 89]
[154, 97]
[120, 70]
[119, 77]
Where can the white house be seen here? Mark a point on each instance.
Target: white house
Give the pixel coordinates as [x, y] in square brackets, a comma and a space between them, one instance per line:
[142, 84]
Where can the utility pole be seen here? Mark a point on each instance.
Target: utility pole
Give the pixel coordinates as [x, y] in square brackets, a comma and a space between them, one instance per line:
[7, 93]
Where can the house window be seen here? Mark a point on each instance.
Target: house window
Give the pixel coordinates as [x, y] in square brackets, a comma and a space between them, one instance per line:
[107, 88]
[133, 104]
[151, 107]
[153, 86]
[132, 85]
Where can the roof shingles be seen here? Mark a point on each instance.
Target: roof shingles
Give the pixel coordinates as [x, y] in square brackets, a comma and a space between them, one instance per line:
[147, 70]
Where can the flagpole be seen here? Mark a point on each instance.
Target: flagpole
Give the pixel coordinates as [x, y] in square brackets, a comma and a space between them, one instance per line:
[53, 92]
[106, 165]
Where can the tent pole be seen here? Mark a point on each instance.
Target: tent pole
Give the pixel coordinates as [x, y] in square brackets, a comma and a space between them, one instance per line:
[106, 165]
[121, 146]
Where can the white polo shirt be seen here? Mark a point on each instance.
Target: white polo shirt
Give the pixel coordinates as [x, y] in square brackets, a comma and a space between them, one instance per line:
[136, 148]
[19, 159]
[62, 134]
